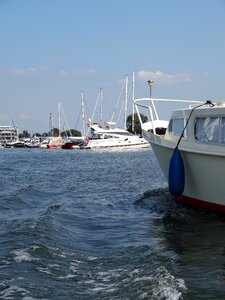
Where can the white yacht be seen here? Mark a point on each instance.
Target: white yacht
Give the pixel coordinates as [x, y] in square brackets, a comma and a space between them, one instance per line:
[8, 134]
[111, 136]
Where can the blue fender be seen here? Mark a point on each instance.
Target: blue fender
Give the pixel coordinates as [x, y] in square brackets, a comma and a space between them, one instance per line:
[176, 173]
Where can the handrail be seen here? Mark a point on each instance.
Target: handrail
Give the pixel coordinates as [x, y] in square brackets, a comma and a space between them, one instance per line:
[151, 115]
[139, 103]
[167, 100]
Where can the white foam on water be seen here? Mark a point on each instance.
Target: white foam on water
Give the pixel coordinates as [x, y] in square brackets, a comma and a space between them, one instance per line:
[10, 292]
[135, 271]
[68, 276]
[55, 266]
[35, 247]
[107, 288]
[143, 296]
[143, 278]
[21, 255]
[166, 286]
[44, 270]
[102, 283]
[75, 265]
[91, 258]
[89, 281]
[77, 261]
[31, 298]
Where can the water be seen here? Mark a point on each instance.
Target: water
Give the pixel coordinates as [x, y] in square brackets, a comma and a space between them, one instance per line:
[102, 225]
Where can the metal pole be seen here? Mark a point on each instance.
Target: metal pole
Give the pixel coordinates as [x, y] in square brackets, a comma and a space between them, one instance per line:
[132, 123]
[150, 83]
[125, 103]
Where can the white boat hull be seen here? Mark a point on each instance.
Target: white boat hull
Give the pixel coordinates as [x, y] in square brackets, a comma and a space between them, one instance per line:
[204, 175]
[107, 143]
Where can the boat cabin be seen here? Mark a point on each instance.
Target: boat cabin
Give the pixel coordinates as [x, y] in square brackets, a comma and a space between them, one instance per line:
[206, 127]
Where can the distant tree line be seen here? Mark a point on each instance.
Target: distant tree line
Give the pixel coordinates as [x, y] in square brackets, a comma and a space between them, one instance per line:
[54, 132]
[73, 132]
[137, 124]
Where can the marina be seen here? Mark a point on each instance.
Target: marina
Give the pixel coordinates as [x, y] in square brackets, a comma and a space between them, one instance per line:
[112, 150]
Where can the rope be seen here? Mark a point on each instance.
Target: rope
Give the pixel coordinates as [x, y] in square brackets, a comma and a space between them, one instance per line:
[208, 102]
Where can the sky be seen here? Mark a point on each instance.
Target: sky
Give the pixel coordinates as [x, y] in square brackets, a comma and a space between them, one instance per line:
[52, 50]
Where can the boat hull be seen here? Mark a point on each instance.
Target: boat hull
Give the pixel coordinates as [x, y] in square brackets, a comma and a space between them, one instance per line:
[107, 143]
[204, 176]
[67, 145]
[54, 146]
[190, 149]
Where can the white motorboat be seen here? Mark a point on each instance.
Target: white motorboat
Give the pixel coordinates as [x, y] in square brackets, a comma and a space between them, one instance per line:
[111, 136]
[190, 149]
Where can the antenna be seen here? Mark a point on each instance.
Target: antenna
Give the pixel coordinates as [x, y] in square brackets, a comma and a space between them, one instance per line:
[50, 124]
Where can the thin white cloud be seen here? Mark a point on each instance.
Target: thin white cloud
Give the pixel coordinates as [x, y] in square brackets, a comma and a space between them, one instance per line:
[64, 74]
[163, 78]
[43, 71]
[205, 74]
[22, 72]
[17, 72]
[80, 73]
[34, 72]
[91, 71]
[24, 116]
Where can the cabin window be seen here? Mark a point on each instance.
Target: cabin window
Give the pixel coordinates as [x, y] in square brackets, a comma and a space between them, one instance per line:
[176, 126]
[108, 136]
[96, 136]
[210, 129]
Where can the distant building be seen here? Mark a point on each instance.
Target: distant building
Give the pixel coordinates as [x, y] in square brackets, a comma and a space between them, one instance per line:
[7, 134]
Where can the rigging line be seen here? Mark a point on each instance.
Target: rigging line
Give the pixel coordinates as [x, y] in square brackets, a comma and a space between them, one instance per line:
[65, 120]
[85, 102]
[96, 103]
[119, 118]
[118, 100]
[208, 102]
[78, 119]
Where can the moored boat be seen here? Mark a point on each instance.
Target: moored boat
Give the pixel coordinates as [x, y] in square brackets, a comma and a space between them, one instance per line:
[112, 137]
[56, 142]
[190, 149]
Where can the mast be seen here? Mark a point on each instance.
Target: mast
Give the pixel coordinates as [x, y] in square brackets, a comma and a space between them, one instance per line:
[101, 106]
[50, 124]
[132, 124]
[59, 119]
[82, 110]
[65, 120]
[125, 104]
[99, 100]
[117, 103]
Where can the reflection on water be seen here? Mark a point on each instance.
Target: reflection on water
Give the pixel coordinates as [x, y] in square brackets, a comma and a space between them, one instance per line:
[197, 239]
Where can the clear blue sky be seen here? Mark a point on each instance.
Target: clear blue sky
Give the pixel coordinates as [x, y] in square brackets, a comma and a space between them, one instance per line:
[52, 49]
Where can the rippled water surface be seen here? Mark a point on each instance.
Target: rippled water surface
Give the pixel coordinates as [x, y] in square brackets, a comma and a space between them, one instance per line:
[102, 225]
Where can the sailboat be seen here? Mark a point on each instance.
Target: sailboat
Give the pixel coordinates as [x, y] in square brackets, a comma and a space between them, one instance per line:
[111, 135]
[57, 142]
[74, 142]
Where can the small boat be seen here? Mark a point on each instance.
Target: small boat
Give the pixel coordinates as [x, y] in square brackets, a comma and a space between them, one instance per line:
[67, 145]
[45, 142]
[111, 137]
[31, 145]
[15, 144]
[56, 142]
[190, 149]
[73, 142]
